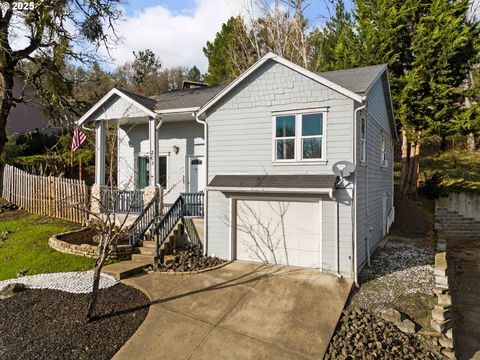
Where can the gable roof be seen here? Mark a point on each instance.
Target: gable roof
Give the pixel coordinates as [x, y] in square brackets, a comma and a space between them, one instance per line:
[191, 98]
[143, 103]
[359, 80]
[271, 56]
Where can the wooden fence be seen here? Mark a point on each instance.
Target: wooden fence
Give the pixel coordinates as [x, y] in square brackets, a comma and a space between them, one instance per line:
[46, 195]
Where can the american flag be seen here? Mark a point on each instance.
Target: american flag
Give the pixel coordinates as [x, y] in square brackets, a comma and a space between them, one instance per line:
[78, 139]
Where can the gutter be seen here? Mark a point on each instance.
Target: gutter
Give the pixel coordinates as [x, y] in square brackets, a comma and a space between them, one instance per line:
[354, 198]
[205, 207]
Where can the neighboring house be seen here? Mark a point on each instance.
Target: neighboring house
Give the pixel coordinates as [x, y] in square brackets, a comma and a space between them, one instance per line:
[272, 137]
[28, 116]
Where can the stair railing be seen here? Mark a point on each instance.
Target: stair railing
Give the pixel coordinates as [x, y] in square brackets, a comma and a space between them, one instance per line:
[168, 222]
[142, 223]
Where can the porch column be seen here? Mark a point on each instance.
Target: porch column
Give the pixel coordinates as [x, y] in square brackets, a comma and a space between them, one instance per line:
[153, 164]
[99, 153]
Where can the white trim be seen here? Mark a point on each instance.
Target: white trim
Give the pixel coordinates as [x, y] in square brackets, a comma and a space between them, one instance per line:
[177, 111]
[363, 145]
[301, 111]
[188, 159]
[290, 65]
[319, 191]
[119, 93]
[298, 137]
[320, 210]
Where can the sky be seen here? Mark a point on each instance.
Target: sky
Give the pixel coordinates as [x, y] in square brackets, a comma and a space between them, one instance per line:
[177, 30]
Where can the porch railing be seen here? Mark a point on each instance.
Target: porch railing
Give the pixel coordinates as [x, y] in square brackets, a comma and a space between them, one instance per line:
[187, 204]
[194, 204]
[143, 222]
[122, 201]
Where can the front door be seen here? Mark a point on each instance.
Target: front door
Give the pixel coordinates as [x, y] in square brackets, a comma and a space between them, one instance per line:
[142, 172]
[196, 173]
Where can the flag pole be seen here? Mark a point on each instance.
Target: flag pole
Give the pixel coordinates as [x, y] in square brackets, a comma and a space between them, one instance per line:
[79, 167]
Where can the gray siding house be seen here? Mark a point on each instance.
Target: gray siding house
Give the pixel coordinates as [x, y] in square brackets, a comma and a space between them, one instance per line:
[262, 151]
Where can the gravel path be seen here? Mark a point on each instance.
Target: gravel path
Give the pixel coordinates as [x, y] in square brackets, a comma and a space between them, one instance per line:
[77, 282]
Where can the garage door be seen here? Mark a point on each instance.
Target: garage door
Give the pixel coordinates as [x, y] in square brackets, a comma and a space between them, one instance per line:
[279, 232]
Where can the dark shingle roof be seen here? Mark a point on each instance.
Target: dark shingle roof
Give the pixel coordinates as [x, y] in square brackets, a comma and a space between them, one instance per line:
[357, 80]
[186, 98]
[274, 181]
[143, 100]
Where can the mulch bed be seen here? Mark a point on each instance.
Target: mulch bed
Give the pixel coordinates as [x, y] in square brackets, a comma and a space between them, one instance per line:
[86, 237]
[50, 324]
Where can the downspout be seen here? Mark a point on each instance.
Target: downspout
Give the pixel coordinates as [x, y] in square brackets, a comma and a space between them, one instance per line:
[337, 239]
[205, 206]
[354, 199]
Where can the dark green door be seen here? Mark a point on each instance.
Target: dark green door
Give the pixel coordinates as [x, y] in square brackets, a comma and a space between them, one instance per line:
[142, 172]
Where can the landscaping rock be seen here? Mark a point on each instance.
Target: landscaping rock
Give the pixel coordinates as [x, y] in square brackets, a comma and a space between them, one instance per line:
[362, 335]
[407, 326]
[188, 258]
[391, 315]
[8, 207]
[4, 234]
[11, 289]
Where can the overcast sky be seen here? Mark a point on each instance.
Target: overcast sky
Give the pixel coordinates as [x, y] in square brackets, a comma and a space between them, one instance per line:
[177, 30]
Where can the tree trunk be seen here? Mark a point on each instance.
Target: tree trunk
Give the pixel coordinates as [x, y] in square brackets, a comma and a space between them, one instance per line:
[411, 170]
[443, 143]
[471, 142]
[415, 170]
[404, 169]
[96, 281]
[6, 102]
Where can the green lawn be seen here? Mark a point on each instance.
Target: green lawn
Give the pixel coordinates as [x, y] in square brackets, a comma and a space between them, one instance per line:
[26, 247]
[461, 169]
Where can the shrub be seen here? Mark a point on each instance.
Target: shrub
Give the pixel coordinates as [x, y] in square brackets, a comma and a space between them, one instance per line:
[432, 187]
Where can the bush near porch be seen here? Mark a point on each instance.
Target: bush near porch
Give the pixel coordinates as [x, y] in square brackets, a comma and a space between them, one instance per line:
[26, 246]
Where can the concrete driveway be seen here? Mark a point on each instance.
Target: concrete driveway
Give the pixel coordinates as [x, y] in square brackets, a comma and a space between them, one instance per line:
[240, 311]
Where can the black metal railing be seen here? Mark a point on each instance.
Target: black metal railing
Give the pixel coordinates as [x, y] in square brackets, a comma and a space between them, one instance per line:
[187, 204]
[194, 204]
[122, 201]
[143, 222]
[168, 222]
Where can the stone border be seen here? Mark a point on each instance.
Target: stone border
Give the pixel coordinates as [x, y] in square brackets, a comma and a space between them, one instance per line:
[442, 311]
[123, 252]
[188, 272]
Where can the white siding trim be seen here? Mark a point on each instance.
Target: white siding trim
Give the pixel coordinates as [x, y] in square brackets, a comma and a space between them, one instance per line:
[320, 210]
[112, 92]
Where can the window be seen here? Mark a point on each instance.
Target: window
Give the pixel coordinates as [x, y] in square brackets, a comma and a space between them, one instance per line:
[299, 137]
[285, 137]
[383, 152]
[363, 140]
[162, 171]
[312, 136]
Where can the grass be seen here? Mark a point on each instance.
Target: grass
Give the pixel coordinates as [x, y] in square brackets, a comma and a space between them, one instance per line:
[460, 168]
[26, 247]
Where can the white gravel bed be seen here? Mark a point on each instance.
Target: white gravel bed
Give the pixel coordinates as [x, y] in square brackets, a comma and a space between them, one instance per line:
[77, 282]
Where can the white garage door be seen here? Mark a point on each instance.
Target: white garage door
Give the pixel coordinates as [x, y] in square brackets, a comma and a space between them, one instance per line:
[279, 232]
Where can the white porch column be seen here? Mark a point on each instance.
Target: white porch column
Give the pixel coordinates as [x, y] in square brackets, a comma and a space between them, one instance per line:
[99, 153]
[153, 164]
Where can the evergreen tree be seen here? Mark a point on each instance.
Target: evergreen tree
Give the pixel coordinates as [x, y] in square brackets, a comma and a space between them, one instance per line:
[194, 74]
[230, 53]
[336, 46]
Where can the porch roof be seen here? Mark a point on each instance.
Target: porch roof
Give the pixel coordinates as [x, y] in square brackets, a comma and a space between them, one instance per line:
[171, 102]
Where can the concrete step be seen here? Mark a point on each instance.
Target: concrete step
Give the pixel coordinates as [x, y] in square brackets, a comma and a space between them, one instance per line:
[144, 257]
[149, 244]
[147, 250]
[124, 269]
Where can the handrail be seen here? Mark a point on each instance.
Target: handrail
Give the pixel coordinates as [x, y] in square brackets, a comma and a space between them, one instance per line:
[194, 203]
[142, 223]
[168, 222]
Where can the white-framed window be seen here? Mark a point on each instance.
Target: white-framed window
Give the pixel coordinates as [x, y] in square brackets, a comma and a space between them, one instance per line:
[363, 139]
[299, 137]
[383, 150]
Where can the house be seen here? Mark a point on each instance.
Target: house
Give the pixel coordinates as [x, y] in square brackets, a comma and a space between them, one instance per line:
[262, 152]
[27, 116]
